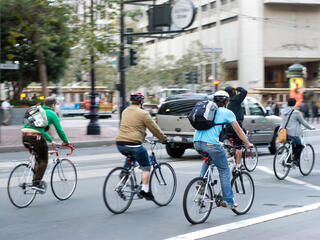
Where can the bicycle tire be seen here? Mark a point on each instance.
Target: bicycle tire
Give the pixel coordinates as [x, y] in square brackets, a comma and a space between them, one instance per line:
[24, 186]
[114, 183]
[64, 179]
[280, 163]
[163, 184]
[250, 159]
[306, 159]
[194, 190]
[243, 191]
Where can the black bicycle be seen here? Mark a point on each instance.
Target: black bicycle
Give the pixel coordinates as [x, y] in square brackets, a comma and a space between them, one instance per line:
[121, 184]
[200, 194]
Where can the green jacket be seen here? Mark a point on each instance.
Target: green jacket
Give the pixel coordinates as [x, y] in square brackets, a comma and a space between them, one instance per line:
[52, 119]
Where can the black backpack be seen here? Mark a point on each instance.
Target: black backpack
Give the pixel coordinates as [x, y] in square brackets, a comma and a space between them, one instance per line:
[202, 115]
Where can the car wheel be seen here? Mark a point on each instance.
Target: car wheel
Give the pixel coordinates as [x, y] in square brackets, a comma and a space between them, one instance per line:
[274, 145]
[174, 152]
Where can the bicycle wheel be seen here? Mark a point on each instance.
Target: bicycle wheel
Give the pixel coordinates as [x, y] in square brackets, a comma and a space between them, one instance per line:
[307, 158]
[243, 190]
[250, 159]
[280, 167]
[118, 190]
[63, 179]
[163, 184]
[19, 186]
[197, 201]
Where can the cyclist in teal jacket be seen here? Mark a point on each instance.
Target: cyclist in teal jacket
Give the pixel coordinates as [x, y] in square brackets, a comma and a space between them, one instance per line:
[36, 137]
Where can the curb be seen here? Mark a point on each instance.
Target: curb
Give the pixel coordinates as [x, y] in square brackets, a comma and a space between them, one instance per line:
[82, 144]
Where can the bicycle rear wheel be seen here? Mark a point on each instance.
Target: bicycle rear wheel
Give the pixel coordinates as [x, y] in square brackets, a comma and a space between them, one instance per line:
[307, 158]
[63, 179]
[243, 190]
[118, 190]
[163, 184]
[250, 158]
[197, 201]
[19, 186]
[280, 166]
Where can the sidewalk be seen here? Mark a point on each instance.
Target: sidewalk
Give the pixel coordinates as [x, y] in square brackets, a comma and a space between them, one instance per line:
[76, 132]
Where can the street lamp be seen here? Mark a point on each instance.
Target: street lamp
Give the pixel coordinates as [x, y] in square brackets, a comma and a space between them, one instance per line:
[93, 126]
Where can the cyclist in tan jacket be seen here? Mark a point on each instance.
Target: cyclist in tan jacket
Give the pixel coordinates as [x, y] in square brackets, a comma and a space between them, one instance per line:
[132, 133]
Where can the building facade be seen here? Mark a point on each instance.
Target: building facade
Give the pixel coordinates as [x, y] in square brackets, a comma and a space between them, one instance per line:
[260, 39]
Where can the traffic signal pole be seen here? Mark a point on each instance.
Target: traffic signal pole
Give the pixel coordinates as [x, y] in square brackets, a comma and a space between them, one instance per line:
[122, 66]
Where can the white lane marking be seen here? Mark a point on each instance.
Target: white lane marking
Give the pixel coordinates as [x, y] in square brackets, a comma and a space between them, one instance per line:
[244, 223]
[290, 179]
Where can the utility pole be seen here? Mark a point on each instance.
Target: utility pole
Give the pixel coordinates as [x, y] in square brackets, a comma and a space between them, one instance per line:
[122, 66]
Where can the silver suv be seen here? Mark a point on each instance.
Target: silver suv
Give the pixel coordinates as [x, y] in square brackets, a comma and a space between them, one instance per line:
[173, 121]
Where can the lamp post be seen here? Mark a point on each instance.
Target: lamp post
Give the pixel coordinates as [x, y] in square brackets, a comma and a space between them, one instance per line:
[93, 126]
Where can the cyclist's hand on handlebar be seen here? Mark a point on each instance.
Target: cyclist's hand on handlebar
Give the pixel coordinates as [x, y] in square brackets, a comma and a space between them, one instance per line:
[248, 145]
[313, 128]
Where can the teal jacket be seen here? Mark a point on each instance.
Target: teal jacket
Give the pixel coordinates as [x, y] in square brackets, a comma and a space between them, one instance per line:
[52, 119]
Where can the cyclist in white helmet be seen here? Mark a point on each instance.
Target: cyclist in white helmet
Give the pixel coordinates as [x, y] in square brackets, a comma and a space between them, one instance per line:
[208, 141]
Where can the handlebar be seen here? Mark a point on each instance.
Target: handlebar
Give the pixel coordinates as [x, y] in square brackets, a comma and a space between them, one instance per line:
[58, 146]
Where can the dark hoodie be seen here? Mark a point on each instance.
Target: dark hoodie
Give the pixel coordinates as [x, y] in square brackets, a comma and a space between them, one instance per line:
[294, 125]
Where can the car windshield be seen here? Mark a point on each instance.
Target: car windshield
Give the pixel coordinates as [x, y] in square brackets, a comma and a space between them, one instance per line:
[178, 108]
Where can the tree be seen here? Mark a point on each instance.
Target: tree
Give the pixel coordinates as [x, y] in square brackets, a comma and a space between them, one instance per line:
[37, 35]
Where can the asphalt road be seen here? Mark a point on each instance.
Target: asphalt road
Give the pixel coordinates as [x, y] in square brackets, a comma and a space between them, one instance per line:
[286, 209]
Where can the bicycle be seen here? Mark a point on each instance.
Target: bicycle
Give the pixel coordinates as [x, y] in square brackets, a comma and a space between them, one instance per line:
[121, 184]
[283, 160]
[63, 178]
[200, 194]
[249, 158]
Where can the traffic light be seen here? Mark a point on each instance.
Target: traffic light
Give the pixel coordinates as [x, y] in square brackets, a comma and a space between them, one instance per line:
[133, 57]
[195, 77]
[129, 38]
[188, 77]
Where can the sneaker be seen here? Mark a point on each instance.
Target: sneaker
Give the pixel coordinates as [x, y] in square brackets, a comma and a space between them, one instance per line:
[147, 195]
[224, 204]
[201, 186]
[38, 188]
[123, 175]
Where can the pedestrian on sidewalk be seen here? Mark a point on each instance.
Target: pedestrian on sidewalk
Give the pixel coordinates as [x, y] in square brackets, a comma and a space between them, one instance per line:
[315, 111]
[6, 112]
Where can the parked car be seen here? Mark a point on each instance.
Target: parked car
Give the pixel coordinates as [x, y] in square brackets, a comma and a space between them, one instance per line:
[173, 121]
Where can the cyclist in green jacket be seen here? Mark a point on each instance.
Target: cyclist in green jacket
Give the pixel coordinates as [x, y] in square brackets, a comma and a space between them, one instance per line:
[36, 137]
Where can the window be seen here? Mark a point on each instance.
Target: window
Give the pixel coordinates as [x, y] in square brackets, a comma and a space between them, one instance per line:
[254, 108]
[204, 8]
[213, 4]
[224, 2]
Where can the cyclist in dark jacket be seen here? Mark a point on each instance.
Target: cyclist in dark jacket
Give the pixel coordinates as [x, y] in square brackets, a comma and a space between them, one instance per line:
[237, 95]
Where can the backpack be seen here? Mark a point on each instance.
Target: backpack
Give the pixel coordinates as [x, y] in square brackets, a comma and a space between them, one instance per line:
[202, 115]
[36, 116]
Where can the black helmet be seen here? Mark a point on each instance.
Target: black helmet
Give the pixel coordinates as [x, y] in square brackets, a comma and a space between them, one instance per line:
[221, 96]
[136, 97]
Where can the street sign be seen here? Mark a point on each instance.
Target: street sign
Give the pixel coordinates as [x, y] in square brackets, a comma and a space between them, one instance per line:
[212, 50]
[10, 66]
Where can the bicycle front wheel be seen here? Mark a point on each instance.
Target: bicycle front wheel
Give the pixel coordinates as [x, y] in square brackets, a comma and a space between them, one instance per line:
[19, 186]
[281, 167]
[307, 158]
[243, 191]
[197, 201]
[63, 179]
[250, 159]
[163, 184]
[118, 190]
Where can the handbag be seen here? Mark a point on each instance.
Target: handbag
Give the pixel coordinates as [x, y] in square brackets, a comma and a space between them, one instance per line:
[282, 134]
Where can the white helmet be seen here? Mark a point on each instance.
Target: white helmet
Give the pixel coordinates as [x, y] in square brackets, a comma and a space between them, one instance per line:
[220, 96]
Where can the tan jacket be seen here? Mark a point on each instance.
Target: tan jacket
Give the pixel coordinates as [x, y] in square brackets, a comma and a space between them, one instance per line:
[134, 122]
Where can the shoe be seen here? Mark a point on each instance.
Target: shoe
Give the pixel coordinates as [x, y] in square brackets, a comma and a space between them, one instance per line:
[147, 195]
[224, 204]
[38, 188]
[123, 175]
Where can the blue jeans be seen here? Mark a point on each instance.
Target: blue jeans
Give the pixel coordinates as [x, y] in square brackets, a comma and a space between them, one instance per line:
[140, 154]
[217, 155]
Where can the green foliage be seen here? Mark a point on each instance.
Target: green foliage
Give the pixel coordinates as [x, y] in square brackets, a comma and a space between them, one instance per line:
[21, 103]
[30, 27]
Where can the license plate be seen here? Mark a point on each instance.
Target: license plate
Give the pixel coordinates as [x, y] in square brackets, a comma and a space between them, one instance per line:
[177, 139]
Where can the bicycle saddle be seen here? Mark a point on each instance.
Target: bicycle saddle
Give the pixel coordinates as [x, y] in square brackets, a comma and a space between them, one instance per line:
[204, 154]
[28, 145]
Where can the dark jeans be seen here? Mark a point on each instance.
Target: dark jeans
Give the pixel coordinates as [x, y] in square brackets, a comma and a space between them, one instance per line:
[297, 147]
[41, 153]
[231, 133]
